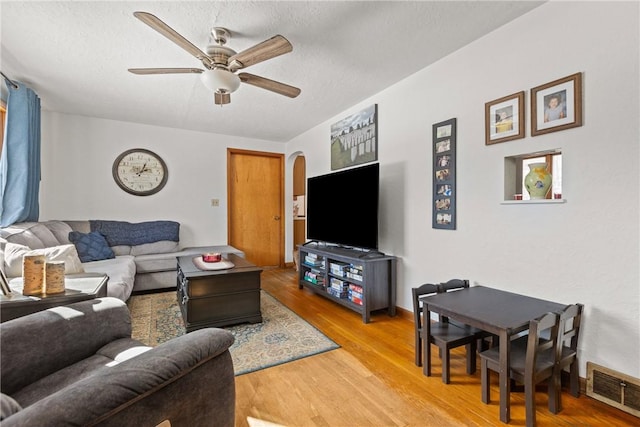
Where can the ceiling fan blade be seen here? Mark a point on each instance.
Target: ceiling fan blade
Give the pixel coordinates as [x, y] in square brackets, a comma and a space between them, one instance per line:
[155, 23]
[272, 85]
[221, 98]
[165, 70]
[275, 46]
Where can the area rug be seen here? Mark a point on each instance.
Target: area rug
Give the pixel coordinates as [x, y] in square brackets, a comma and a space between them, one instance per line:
[282, 337]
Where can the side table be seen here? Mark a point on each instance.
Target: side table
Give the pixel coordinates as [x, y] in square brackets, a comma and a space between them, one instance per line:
[78, 287]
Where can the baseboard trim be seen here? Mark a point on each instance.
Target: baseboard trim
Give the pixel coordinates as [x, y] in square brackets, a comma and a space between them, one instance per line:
[404, 313]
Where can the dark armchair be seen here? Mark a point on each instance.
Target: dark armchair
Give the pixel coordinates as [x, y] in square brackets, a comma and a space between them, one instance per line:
[78, 365]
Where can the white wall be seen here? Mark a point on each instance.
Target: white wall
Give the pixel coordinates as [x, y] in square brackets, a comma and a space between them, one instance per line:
[586, 250]
[78, 153]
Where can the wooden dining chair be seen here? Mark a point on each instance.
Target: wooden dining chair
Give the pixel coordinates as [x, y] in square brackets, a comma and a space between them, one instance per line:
[567, 357]
[423, 290]
[530, 365]
[568, 333]
[443, 334]
[485, 339]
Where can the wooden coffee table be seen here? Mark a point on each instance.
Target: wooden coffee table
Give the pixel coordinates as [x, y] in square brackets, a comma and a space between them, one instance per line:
[214, 298]
[78, 287]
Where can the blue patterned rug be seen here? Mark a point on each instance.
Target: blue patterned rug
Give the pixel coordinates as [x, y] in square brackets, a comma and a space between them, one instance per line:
[282, 337]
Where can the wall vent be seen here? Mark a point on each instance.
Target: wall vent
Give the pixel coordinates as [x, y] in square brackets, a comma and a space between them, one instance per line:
[614, 388]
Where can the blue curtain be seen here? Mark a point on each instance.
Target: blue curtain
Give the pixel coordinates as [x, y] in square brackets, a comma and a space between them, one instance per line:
[20, 162]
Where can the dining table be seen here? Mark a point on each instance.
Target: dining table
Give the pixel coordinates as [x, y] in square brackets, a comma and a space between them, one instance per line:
[499, 312]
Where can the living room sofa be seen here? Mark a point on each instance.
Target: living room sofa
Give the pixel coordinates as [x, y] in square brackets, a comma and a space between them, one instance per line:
[77, 365]
[136, 256]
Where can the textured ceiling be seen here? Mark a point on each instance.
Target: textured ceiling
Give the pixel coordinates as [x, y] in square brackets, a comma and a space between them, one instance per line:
[75, 55]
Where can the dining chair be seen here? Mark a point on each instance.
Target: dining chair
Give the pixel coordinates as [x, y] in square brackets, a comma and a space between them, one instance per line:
[485, 339]
[443, 334]
[530, 365]
[568, 333]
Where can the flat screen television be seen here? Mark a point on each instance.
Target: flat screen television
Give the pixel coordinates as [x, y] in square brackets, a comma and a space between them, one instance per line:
[342, 207]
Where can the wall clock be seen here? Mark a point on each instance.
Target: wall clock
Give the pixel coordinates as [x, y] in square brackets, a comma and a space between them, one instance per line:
[140, 172]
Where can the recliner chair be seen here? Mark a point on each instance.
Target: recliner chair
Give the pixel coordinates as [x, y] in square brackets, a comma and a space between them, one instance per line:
[78, 365]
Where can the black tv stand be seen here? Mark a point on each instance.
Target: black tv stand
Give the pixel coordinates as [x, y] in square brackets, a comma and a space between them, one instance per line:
[361, 281]
[372, 254]
[364, 253]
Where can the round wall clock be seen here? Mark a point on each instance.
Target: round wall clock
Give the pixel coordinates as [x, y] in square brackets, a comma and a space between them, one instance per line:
[140, 172]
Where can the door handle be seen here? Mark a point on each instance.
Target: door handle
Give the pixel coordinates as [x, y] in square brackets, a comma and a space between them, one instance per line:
[276, 217]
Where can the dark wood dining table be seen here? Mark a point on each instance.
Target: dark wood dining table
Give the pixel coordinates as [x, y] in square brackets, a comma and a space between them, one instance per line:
[502, 313]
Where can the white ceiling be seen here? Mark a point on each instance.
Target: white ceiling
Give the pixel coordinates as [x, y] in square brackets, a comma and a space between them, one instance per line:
[75, 55]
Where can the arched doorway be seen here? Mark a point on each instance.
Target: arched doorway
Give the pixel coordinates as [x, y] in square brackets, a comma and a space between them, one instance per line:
[299, 204]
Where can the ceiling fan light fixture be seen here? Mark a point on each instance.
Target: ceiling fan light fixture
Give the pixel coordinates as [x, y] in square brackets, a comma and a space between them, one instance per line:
[218, 80]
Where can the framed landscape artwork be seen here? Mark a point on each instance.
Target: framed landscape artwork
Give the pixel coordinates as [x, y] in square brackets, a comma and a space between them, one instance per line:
[557, 105]
[444, 175]
[354, 139]
[504, 119]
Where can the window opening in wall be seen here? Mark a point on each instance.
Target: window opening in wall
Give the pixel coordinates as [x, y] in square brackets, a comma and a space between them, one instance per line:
[517, 167]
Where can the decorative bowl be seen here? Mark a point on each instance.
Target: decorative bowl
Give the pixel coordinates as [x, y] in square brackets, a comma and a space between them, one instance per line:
[212, 257]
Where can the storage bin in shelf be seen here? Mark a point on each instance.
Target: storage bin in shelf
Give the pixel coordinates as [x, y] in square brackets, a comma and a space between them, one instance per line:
[358, 280]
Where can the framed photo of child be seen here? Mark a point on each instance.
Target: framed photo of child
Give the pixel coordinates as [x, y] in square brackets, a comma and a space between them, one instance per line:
[504, 118]
[557, 105]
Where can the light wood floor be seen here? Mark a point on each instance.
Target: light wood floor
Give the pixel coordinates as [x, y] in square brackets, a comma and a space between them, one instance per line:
[372, 379]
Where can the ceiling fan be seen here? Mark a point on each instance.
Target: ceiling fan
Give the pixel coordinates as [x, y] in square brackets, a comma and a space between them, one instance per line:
[221, 62]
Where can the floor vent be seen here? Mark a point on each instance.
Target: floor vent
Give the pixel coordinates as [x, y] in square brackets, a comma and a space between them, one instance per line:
[618, 390]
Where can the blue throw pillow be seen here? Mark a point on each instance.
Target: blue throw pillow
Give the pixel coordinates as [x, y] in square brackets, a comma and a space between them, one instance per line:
[91, 246]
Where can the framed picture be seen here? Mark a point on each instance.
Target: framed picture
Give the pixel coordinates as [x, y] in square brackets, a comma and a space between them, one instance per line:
[444, 175]
[557, 105]
[4, 283]
[504, 119]
[298, 207]
[354, 139]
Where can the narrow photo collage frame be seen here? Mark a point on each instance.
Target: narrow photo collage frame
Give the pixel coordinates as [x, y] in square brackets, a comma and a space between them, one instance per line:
[444, 175]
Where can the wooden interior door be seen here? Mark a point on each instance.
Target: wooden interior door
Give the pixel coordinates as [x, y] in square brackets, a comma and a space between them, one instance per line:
[255, 182]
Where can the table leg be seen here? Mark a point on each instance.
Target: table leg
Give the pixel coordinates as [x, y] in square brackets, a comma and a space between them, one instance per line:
[505, 383]
[392, 289]
[426, 332]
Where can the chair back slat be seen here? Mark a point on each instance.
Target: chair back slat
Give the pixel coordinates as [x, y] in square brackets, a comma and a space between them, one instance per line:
[547, 323]
[451, 286]
[570, 320]
[454, 285]
[423, 290]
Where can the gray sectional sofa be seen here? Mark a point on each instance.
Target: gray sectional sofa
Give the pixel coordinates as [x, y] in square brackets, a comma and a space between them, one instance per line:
[142, 255]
